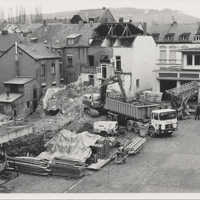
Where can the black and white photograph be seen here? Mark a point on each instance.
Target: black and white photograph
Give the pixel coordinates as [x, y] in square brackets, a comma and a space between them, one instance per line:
[99, 97]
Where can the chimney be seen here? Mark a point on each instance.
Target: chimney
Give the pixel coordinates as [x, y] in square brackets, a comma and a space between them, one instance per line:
[145, 28]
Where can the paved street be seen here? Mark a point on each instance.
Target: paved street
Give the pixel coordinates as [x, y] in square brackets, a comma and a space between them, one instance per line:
[164, 165]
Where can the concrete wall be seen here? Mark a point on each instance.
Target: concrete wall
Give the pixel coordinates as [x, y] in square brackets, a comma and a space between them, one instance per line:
[139, 60]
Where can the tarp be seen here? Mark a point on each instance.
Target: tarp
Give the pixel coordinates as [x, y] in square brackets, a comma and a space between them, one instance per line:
[50, 93]
[71, 146]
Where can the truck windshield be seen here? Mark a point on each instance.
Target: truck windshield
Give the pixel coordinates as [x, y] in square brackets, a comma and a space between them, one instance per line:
[167, 115]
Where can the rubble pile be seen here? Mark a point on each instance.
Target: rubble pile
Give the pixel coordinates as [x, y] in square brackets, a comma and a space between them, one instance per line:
[45, 127]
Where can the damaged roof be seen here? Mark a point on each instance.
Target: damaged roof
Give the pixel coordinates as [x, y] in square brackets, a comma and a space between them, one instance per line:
[97, 14]
[38, 51]
[162, 30]
[83, 31]
[55, 34]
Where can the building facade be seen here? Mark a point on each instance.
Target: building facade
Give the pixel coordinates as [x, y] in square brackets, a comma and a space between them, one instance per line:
[173, 40]
[32, 60]
[21, 97]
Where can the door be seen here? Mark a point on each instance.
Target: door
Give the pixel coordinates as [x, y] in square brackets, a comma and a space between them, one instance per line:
[35, 99]
[104, 71]
[91, 80]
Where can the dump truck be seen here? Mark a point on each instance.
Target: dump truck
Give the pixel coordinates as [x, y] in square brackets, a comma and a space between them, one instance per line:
[130, 113]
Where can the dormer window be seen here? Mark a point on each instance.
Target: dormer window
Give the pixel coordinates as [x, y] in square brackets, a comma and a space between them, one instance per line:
[169, 36]
[156, 36]
[197, 38]
[184, 37]
[71, 39]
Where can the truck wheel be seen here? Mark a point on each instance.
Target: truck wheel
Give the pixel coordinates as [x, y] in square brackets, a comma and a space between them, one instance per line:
[152, 131]
[129, 125]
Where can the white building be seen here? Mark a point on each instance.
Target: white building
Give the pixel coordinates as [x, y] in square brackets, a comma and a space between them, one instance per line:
[133, 55]
[172, 68]
[137, 61]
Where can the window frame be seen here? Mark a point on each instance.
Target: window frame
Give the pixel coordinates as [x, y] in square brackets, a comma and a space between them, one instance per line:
[53, 68]
[197, 60]
[118, 63]
[43, 70]
[189, 56]
[71, 62]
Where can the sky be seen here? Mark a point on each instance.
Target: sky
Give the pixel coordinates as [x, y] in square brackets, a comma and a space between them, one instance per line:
[190, 7]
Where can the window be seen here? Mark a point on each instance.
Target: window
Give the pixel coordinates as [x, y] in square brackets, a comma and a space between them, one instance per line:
[169, 36]
[91, 60]
[61, 68]
[172, 56]
[43, 70]
[118, 63]
[137, 83]
[184, 37]
[156, 36]
[53, 68]
[197, 37]
[163, 56]
[70, 60]
[156, 116]
[189, 59]
[70, 41]
[197, 60]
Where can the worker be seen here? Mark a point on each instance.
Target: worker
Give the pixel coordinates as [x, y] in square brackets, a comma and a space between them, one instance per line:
[197, 114]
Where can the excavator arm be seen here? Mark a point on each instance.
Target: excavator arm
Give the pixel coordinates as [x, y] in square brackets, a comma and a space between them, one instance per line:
[110, 81]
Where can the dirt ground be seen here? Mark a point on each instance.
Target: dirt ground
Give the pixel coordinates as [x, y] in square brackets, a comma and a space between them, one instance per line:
[164, 165]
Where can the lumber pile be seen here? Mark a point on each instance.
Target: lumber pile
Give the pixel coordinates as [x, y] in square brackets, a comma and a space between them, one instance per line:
[28, 165]
[135, 145]
[68, 168]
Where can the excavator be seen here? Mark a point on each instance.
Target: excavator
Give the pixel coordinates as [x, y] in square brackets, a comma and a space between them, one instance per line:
[181, 95]
[97, 101]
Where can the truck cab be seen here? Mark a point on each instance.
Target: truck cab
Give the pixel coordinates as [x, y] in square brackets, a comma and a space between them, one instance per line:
[163, 121]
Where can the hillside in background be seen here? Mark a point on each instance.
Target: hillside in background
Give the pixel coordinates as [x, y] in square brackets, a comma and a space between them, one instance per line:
[139, 15]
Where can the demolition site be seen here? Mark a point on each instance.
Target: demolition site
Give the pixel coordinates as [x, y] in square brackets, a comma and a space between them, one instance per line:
[98, 105]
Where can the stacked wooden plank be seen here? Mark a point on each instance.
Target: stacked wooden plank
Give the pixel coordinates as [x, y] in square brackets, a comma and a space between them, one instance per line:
[61, 167]
[135, 145]
[28, 165]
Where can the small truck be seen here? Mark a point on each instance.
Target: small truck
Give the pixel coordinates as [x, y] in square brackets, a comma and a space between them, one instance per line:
[163, 122]
[105, 128]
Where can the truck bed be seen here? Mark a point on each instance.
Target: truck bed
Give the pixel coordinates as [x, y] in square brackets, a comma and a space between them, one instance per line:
[135, 110]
